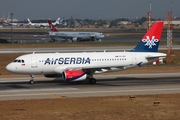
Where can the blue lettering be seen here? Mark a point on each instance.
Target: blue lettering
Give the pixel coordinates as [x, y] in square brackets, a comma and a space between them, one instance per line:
[52, 61]
[78, 60]
[72, 61]
[55, 60]
[67, 60]
[87, 60]
[47, 61]
[82, 60]
[61, 60]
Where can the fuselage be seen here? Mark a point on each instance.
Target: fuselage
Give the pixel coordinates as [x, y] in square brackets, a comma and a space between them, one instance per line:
[80, 35]
[40, 24]
[56, 63]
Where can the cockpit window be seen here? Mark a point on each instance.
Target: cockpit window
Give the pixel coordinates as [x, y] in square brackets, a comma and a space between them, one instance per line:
[15, 60]
[19, 61]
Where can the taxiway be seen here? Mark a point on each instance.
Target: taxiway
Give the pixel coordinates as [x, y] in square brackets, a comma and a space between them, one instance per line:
[107, 85]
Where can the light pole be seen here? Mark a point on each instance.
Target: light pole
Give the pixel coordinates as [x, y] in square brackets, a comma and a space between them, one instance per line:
[11, 28]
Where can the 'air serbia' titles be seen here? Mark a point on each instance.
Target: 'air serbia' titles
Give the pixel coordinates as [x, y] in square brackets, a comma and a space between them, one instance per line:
[67, 60]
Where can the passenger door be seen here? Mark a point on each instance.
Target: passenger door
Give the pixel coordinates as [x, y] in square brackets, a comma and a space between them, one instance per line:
[34, 62]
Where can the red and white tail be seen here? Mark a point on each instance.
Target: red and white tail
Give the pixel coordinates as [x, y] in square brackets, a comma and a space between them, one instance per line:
[53, 29]
[155, 30]
[150, 41]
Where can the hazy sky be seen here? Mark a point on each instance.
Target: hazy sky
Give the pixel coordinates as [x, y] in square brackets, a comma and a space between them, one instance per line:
[91, 9]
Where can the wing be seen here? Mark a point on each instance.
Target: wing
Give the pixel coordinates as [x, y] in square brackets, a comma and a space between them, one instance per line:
[92, 69]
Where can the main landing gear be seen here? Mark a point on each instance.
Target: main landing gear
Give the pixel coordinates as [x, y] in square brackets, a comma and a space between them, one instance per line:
[92, 80]
[32, 79]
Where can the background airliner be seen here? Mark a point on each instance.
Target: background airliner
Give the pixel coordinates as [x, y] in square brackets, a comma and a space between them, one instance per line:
[82, 66]
[13, 24]
[74, 36]
[43, 24]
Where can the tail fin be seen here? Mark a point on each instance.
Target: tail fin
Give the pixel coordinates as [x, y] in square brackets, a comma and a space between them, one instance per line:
[29, 21]
[8, 22]
[53, 29]
[57, 21]
[150, 41]
[61, 21]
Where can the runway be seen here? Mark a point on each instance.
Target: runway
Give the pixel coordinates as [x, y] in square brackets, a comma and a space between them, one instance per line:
[107, 85]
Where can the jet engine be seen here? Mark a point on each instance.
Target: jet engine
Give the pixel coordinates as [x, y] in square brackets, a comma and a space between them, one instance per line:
[74, 75]
[74, 39]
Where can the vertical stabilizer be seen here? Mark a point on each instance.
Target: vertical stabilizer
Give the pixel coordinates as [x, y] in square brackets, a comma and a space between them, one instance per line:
[53, 29]
[150, 41]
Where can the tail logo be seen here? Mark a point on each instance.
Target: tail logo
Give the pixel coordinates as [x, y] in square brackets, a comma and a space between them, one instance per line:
[150, 42]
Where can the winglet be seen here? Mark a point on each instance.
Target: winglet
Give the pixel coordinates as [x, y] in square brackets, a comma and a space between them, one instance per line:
[150, 41]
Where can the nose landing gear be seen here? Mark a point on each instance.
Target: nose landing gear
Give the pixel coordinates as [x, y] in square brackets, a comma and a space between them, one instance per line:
[32, 79]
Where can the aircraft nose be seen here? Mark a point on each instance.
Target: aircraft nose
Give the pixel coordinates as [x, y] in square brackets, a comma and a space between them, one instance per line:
[9, 67]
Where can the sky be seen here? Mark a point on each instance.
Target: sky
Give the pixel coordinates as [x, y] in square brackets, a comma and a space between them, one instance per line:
[88, 9]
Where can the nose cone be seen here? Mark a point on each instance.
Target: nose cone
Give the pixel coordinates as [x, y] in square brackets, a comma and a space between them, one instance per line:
[9, 67]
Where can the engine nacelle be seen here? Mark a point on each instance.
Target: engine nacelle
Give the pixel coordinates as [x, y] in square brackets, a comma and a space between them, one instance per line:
[74, 75]
[52, 75]
[74, 39]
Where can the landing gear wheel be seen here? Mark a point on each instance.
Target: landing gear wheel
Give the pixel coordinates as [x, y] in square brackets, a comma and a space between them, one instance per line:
[32, 79]
[31, 82]
[92, 80]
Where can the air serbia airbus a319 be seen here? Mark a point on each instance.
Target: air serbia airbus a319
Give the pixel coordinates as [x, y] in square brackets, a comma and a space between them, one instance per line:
[82, 66]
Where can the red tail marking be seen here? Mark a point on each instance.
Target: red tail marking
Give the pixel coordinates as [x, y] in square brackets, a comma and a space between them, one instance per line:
[155, 30]
[53, 29]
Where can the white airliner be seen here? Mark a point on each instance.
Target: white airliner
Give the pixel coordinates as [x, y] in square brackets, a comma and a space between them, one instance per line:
[13, 24]
[82, 66]
[74, 36]
[42, 24]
